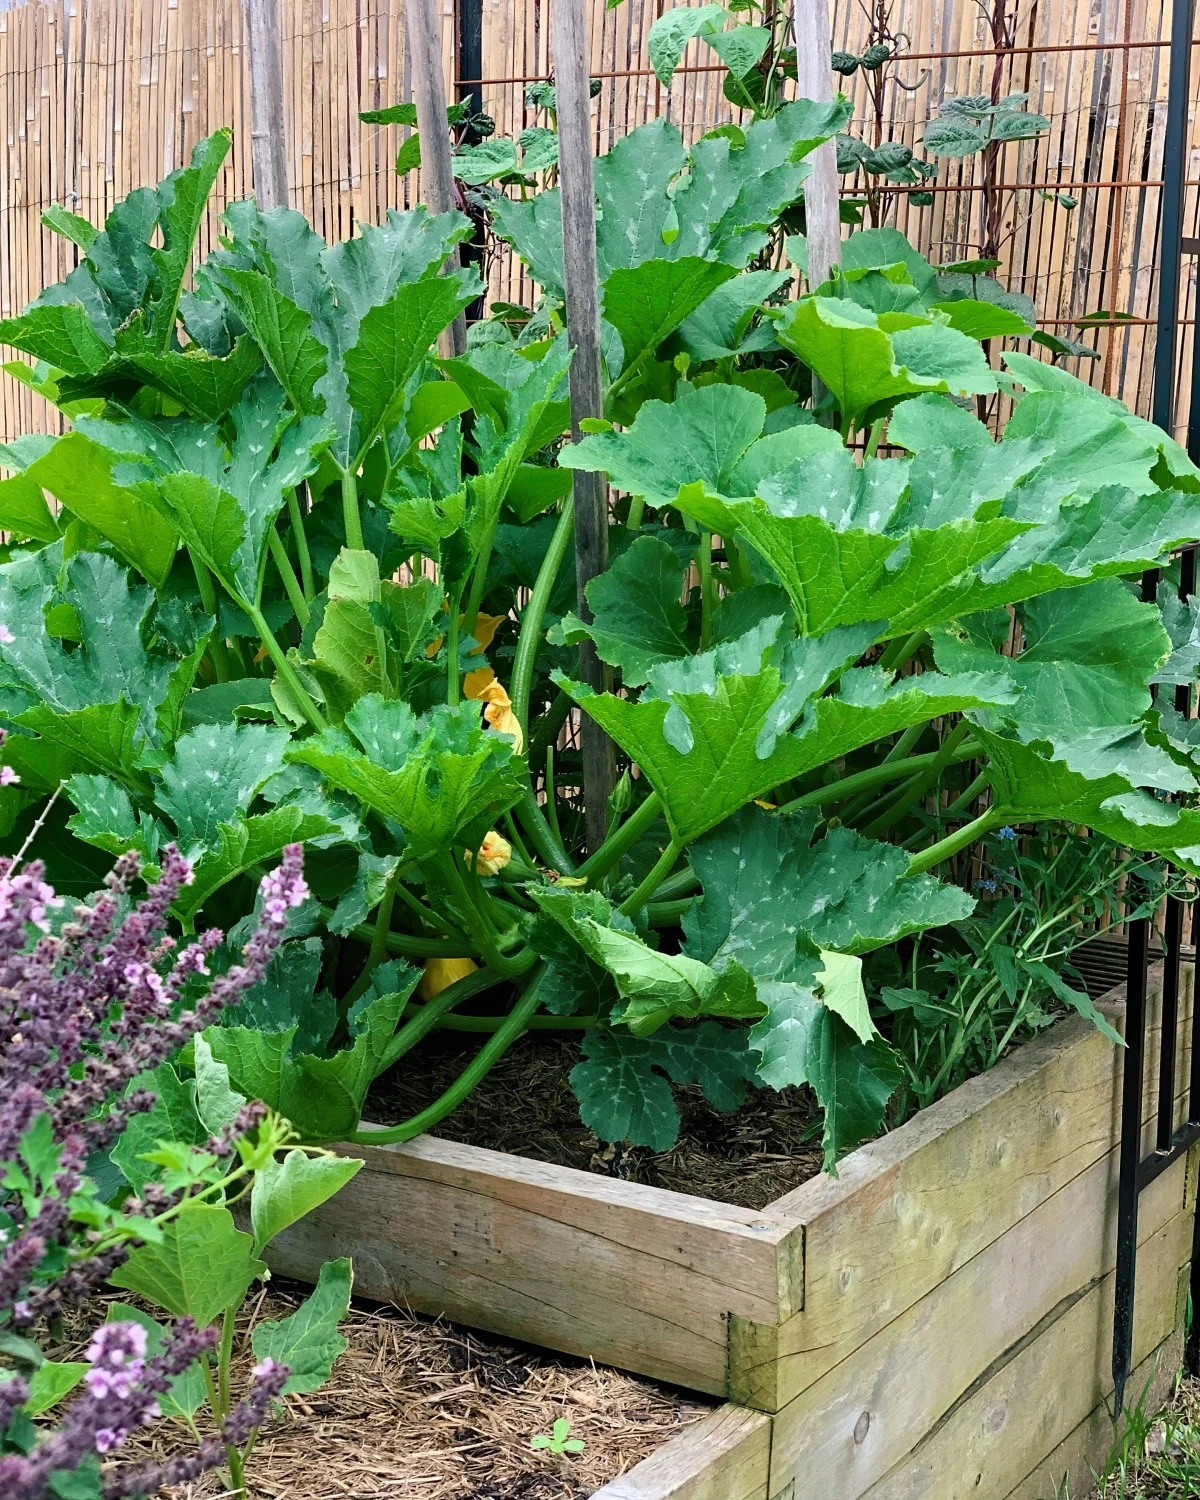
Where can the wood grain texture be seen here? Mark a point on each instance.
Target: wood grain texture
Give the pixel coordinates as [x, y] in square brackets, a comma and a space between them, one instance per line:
[1080, 1456]
[268, 118]
[861, 1419]
[814, 80]
[437, 173]
[571, 45]
[724, 1457]
[1040, 1391]
[632, 1275]
[909, 1209]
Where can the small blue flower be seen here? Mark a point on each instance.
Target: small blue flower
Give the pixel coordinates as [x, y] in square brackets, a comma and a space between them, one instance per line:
[1006, 832]
[985, 885]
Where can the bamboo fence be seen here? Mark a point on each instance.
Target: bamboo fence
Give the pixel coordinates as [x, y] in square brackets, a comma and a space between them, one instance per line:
[100, 96]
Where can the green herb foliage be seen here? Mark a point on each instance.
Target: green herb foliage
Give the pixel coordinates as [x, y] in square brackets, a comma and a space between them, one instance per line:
[322, 590]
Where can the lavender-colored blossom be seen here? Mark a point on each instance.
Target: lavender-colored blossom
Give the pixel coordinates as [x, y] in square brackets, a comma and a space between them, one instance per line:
[85, 1012]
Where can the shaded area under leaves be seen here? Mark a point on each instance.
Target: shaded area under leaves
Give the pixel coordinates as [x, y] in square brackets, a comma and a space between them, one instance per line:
[749, 1157]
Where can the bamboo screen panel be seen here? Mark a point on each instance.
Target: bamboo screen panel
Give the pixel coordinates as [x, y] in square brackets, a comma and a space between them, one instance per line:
[99, 96]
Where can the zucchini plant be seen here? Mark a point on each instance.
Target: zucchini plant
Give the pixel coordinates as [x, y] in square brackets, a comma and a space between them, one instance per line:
[306, 581]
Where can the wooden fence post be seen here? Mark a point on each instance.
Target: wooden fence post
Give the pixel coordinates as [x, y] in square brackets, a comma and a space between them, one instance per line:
[571, 51]
[814, 80]
[268, 118]
[423, 45]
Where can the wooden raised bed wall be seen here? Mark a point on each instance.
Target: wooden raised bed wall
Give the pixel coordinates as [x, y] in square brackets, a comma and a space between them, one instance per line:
[934, 1324]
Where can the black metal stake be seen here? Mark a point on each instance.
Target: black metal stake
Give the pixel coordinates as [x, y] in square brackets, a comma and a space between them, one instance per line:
[469, 64]
[1134, 1173]
[1131, 1154]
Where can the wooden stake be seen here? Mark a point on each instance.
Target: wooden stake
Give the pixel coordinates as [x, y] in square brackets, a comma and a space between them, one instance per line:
[814, 80]
[268, 118]
[423, 45]
[571, 49]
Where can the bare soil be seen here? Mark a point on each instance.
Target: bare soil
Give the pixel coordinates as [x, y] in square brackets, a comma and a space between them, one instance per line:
[525, 1107]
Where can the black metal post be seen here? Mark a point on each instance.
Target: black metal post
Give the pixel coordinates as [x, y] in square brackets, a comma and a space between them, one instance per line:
[469, 67]
[1131, 1155]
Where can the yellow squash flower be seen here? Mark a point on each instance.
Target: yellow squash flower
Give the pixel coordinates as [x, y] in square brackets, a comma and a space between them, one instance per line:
[482, 686]
[494, 853]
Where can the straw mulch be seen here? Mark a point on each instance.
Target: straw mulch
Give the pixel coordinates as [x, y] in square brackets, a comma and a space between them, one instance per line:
[750, 1157]
[422, 1410]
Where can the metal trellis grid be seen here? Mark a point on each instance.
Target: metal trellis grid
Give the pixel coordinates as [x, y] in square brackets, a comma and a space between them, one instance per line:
[1136, 1171]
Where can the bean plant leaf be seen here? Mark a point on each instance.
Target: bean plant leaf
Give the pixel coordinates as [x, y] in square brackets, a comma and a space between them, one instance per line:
[285, 1190]
[308, 1341]
[202, 1265]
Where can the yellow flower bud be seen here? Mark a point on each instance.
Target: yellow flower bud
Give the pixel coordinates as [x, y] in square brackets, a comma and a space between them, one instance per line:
[441, 973]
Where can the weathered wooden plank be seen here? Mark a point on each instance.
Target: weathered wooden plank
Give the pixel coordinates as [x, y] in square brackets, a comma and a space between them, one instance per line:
[724, 1457]
[631, 1275]
[909, 1209]
[1041, 1390]
[1078, 1458]
[862, 1417]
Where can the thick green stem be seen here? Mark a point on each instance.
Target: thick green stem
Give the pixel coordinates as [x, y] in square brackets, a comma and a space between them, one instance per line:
[552, 797]
[479, 579]
[962, 838]
[285, 669]
[208, 599]
[287, 573]
[873, 439]
[296, 517]
[919, 785]
[225, 1359]
[547, 731]
[622, 840]
[902, 650]
[637, 507]
[873, 776]
[542, 835]
[431, 1013]
[351, 518]
[485, 1024]
[739, 568]
[489, 1054]
[480, 924]
[662, 868]
[427, 914]
[898, 753]
[453, 675]
[708, 589]
[534, 613]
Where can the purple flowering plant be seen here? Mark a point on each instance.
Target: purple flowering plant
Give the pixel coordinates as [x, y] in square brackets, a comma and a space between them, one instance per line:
[91, 1015]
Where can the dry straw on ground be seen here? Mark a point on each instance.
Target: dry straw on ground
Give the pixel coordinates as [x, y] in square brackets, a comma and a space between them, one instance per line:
[421, 1410]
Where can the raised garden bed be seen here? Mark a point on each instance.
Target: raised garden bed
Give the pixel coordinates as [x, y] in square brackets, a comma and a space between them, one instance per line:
[934, 1322]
